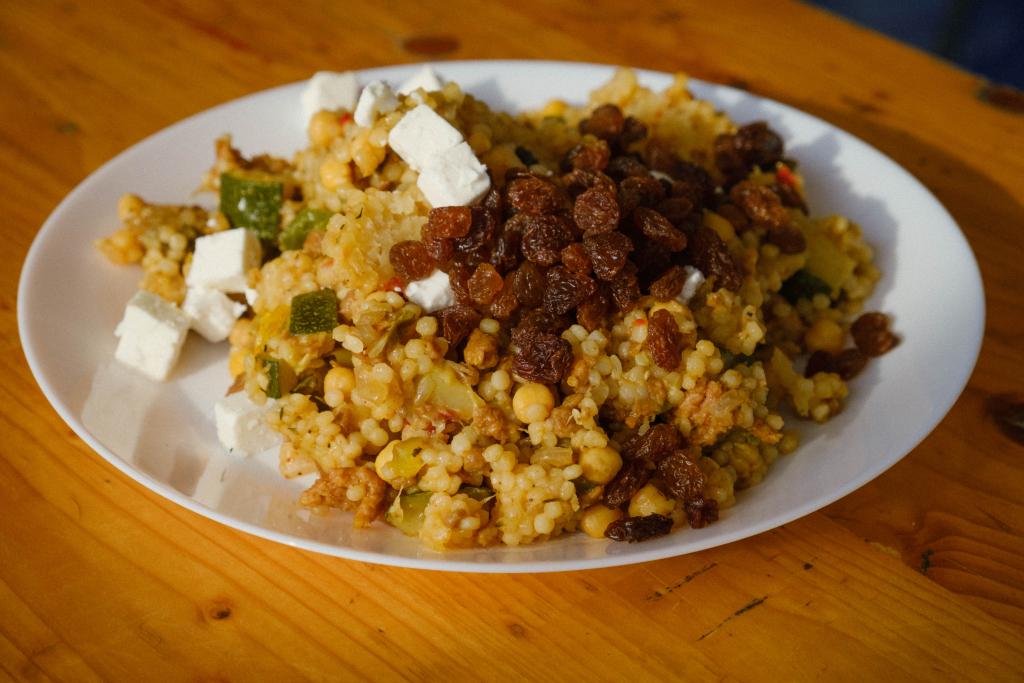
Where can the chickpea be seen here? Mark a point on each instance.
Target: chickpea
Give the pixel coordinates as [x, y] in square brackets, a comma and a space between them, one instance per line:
[338, 382]
[600, 465]
[334, 173]
[323, 127]
[650, 501]
[824, 335]
[532, 403]
[597, 518]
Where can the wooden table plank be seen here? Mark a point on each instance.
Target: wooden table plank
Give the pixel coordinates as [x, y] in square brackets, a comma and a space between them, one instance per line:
[100, 579]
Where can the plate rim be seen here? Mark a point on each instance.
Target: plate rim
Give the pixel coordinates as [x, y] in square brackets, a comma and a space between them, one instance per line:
[441, 561]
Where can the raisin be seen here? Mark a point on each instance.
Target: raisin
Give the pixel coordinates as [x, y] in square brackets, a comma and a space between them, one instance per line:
[545, 359]
[625, 288]
[658, 229]
[670, 284]
[700, 513]
[448, 221]
[578, 181]
[530, 194]
[475, 246]
[789, 240]
[710, 255]
[636, 529]
[596, 210]
[632, 131]
[411, 260]
[589, 155]
[528, 284]
[735, 216]
[664, 340]
[675, 209]
[871, 334]
[790, 196]
[694, 183]
[651, 261]
[659, 157]
[576, 259]
[505, 303]
[484, 284]
[605, 122]
[566, 290]
[544, 240]
[441, 250]
[760, 204]
[654, 445]
[682, 476]
[849, 363]
[505, 255]
[759, 145]
[593, 312]
[622, 167]
[457, 322]
[630, 479]
[608, 252]
[458, 279]
[537, 321]
[639, 191]
[819, 361]
[753, 145]
[493, 202]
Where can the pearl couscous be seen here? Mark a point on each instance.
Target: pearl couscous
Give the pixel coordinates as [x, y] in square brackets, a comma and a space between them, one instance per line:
[575, 383]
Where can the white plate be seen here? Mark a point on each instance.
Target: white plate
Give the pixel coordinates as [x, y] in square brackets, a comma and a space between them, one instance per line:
[162, 435]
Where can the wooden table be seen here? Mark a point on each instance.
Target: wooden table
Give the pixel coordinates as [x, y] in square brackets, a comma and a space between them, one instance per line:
[918, 575]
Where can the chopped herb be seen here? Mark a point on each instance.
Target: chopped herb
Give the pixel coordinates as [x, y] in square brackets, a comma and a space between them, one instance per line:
[803, 285]
[583, 486]
[314, 312]
[525, 156]
[306, 221]
[252, 203]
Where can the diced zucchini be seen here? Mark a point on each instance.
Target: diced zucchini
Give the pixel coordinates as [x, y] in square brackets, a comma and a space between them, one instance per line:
[306, 221]
[406, 313]
[252, 203]
[443, 388]
[406, 513]
[314, 312]
[803, 285]
[280, 377]
[826, 260]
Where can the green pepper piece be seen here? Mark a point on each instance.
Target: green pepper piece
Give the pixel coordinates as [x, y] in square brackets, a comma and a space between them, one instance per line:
[480, 493]
[803, 285]
[406, 514]
[306, 221]
[280, 377]
[314, 312]
[252, 203]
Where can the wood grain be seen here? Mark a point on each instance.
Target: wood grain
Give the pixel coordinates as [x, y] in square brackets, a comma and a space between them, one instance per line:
[919, 574]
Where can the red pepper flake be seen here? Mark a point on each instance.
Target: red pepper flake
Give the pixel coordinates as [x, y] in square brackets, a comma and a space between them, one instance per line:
[393, 285]
[640, 322]
[344, 118]
[785, 176]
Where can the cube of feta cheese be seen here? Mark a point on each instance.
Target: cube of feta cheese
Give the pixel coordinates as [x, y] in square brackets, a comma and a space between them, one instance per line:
[454, 177]
[694, 279]
[211, 313]
[151, 335]
[426, 78]
[377, 98]
[329, 90]
[431, 293]
[421, 135]
[242, 425]
[222, 260]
